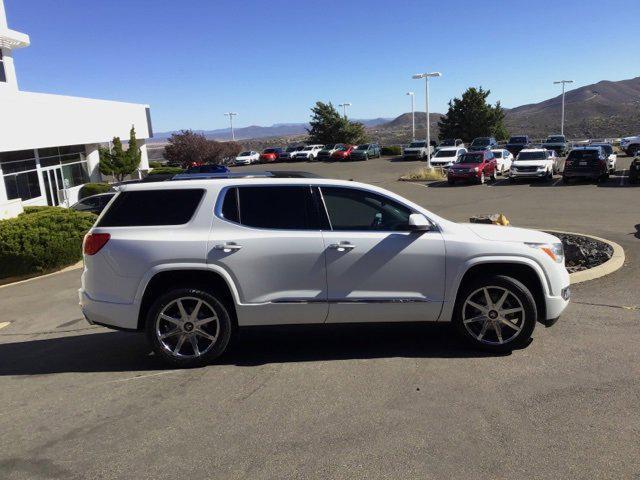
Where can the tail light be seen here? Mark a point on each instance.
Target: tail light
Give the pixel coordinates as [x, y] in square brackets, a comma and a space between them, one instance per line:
[93, 242]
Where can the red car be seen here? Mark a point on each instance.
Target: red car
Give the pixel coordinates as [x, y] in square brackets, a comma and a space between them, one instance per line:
[473, 166]
[270, 155]
[343, 153]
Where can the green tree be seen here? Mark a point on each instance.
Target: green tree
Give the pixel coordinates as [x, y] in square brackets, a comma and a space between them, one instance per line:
[119, 162]
[328, 126]
[472, 116]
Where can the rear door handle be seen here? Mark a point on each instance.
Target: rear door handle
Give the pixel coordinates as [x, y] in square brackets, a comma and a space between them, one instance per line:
[227, 247]
[342, 246]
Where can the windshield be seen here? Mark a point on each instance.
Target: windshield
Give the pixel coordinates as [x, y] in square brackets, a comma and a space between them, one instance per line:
[608, 149]
[518, 140]
[363, 147]
[291, 149]
[481, 141]
[497, 154]
[417, 144]
[555, 139]
[449, 142]
[307, 149]
[269, 150]
[446, 153]
[583, 155]
[471, 158]
[329, 147]
[532, 156]
[245, 154]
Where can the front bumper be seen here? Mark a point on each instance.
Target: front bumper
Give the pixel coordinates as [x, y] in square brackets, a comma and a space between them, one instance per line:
[536, 174]
[457, 175]
[108, 314]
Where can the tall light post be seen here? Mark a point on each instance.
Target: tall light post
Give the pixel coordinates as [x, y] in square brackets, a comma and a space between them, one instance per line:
[344, 108]
[563, 82]
[231, 115]
[426, 77]
[413, 114]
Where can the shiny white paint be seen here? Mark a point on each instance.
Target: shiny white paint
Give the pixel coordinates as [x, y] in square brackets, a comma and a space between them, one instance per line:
[505, 161]
[279, 277]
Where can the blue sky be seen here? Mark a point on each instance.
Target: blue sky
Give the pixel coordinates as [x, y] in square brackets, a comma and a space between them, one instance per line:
[270, 60]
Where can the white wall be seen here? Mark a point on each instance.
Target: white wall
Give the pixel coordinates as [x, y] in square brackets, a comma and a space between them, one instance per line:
[10, 208]
[37, 120]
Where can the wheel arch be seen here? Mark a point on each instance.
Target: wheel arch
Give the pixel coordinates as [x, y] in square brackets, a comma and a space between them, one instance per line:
[210, 280]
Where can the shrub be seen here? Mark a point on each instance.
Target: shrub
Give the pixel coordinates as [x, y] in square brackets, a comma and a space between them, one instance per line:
[166, 170]
[155, 165]
[391, 150]
[426, 174]
[89, 189]
[42, 239]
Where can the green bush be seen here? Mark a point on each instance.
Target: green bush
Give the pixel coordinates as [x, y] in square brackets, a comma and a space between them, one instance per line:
[155, 165]
[89, 189]
[166, 170]
[392, 150]
[42, 239]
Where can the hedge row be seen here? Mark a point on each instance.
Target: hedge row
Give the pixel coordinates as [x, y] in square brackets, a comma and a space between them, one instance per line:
[166, 170]
[42, 239]
[89, 189]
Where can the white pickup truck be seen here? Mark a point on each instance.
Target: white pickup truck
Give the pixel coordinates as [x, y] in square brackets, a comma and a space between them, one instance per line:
[417, 149]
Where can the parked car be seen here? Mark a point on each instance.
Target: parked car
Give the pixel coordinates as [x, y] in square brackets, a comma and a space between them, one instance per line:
[343, 153]
[447, 156]
[504, 159]
[416, 150]
[270, 155]
[327, 151]
[310, 152]
[630, 145]
[206, 168]
[365, 152]
[289, 152]
[517, 143]
[533, 163]
[450, 142]
[612, 158]
[557, 143]
[247, 158]
[483, 143]
[473, 166]
[190, 264]
[94, 203]
[634, 169]
[588, 162]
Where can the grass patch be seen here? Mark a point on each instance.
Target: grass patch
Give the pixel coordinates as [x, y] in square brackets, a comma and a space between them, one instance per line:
[425, 174]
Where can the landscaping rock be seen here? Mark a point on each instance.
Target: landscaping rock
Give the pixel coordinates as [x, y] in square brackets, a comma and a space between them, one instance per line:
[582, 253]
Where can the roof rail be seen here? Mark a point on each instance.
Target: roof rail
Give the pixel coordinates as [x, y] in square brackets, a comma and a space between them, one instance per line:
[247, 174]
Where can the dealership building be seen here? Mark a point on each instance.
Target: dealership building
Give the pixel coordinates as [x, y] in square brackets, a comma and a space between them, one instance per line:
[49, 143]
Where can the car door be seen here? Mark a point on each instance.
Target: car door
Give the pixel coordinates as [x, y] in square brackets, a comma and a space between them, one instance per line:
[267, 239]
[377, 269]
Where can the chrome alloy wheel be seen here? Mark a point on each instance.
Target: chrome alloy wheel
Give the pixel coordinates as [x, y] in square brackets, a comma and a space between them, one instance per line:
[187, 327]
[493, 315]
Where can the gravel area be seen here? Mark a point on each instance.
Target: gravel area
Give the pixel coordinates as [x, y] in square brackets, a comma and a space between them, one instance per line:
[583, 253]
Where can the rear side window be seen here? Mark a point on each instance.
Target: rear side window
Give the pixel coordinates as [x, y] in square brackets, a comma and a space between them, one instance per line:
[152, 207]
[277, 207]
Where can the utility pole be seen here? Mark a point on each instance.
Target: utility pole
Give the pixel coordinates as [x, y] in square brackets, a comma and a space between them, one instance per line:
[426, 77]
[563, 82]
[344, 108]
[231, 115]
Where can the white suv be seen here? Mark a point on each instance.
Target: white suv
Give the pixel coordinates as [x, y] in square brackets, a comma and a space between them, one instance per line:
[310, 152]
[531, 163]
[188, 262]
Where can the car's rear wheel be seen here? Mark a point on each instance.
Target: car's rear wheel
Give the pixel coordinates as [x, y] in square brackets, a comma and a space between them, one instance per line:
[451, 181]
[566, 180]
[495, 313]
[188, 327]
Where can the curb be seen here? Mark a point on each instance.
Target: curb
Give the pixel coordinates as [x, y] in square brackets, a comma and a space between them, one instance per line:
[614, 263]
[75, 266]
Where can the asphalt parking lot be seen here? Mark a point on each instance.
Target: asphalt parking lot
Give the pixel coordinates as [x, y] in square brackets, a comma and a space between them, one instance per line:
[400, 401]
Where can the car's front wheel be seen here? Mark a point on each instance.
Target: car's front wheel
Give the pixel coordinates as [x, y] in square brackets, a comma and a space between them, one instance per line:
[188, 327]
[495, 313]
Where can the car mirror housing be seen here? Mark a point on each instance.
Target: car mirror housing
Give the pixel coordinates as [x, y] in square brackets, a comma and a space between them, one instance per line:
[418, 223]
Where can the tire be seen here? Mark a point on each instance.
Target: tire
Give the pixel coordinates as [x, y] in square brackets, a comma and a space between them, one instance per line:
[504, 332]
[512, 180]
[366, 157]
[566, 180]
[188, 354]
[492, 177]
[451, 181]
[632, 150]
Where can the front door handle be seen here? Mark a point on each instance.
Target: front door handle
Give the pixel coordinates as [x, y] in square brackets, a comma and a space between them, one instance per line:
[342, 246]
[227, 247]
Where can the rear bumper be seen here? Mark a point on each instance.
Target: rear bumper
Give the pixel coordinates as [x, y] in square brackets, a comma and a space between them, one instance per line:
[115, 315]
[584, 174]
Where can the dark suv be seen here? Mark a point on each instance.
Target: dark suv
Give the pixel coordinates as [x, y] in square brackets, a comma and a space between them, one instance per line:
[557, 143]
[517, 143]
[483, 143]
[586, 162]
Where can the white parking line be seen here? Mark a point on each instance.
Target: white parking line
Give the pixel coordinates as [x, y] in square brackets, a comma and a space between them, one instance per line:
[4, 324]
[622, 178]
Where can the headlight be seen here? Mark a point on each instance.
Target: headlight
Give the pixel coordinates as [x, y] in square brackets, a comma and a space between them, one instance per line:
[554, 250]
[474, 169]
[540, 169]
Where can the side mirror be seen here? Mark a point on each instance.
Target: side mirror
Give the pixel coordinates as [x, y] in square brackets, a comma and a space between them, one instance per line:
[418, 223]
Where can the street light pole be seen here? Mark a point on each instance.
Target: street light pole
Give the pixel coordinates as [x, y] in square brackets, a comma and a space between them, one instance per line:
[413, 114]
[563, 82]
[426, 102]
[231, 115]
[344, 108]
